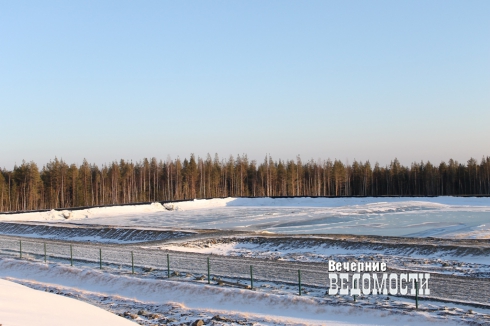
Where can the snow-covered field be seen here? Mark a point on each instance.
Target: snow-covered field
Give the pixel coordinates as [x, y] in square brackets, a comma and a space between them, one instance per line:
[153, 302]
[449, 217]
[295, 230]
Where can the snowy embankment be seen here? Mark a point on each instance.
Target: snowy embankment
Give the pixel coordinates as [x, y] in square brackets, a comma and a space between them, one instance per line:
[100, 234]
[446, 217]
[464, 260]
[21, 306]
[199, 301]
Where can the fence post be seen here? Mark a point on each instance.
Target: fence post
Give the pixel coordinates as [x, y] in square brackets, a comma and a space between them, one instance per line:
[416, 295]
[45, 252]
[251, 278]
[209, 273]
[132, 263]
[299, 281]
[100, 258]
[20, 248]
[71, 255]
[168, 265]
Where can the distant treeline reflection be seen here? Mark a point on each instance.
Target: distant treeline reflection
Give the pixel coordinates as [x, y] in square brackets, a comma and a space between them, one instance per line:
[60, 185]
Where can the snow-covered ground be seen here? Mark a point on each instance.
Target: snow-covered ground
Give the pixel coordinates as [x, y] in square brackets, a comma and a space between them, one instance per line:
[443, 260]
[22, 306]
[447, 217]
[151, 301]
[273, 229]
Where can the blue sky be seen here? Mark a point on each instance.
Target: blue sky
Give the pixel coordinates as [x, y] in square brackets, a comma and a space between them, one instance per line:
[106, 80]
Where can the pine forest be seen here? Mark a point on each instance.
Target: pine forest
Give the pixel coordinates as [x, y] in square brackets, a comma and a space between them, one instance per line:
[62, 185]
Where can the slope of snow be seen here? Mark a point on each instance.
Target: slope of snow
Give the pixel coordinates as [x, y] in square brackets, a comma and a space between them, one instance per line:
[442, 260]
[280, 309]
[454, 217]
[22, 306]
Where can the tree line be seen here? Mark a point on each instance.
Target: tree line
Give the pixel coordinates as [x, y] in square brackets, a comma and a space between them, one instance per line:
[60, 185]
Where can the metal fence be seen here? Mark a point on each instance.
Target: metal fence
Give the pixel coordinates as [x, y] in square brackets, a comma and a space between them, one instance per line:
[168, 264]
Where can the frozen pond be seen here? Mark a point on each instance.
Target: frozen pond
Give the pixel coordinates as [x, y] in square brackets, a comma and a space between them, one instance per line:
[417, 217]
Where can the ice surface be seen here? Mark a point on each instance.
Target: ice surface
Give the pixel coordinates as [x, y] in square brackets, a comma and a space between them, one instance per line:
[456, 217]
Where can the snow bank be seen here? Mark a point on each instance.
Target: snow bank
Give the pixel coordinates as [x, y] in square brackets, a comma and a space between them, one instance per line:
[68, 215]
[285, 308]
[21, 306]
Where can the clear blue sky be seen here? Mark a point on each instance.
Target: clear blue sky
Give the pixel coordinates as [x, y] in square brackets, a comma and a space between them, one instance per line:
[105, 80]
